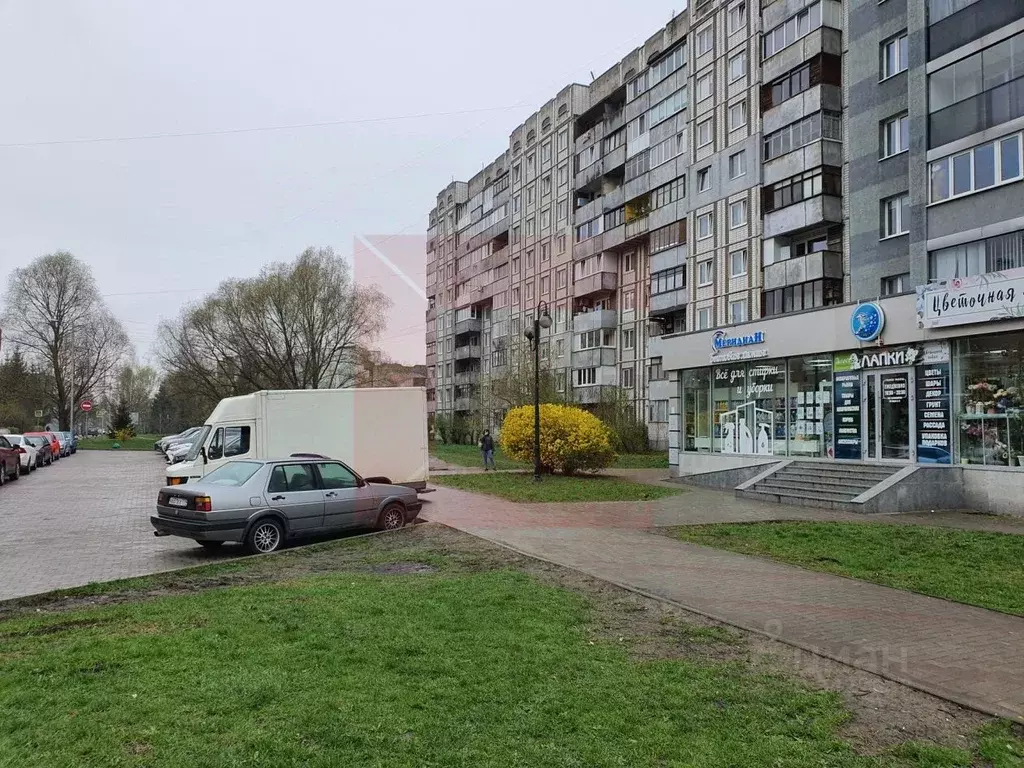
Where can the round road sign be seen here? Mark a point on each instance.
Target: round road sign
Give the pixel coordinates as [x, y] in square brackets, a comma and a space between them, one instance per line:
[87, 405]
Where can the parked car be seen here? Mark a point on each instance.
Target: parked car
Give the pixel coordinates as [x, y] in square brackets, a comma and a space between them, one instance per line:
[54, 442]
[72, 442]
[28, 453]
[44, 451]
[10, 461]
[178, 452]
[65, 444]
[163, 444]
[262, 503]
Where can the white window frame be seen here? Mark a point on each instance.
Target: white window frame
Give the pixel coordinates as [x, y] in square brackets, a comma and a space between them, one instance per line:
[741, 57]
[709, 314]
[627, 377]
[705, 87]
[628, 338]
[739, 205]
[741, 160]
[732, 311]
[586, 373]
[889, 150]
[704, 179]
[710, 220]
[705, 273]
[711, 133]
[736, 18]
[705, 35]
[903, 227]
[733, 272]
[974, 189]
[742, 105]
[901, 65]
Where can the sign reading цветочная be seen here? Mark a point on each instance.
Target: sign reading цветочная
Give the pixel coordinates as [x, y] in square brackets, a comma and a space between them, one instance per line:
[978, 299]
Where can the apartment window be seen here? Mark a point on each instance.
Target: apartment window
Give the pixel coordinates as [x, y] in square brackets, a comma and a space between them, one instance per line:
[563, 140]
[940, 9]
[705, 133]
[668, 280]
[736, 17]
[795, 298]
[656, 371]
[704, 179]
[705, 273]
[589, 229]
[562, 278]
[559, 348]
[896, 216]
[529, 291]
[628, 301]
[704, 87]
[515, 265]
[704, 320]
[792, 30]
[894, 55]
[637, 87]
[614, 219]
[704, 228]
[563, 211]
[561, 243]
[515, 297]
[828, 125]
[628, 339]
[657, 411]
[530, 260]
[563, 175]
[737, 115]
[545, 285]
[995, 254]
[673, 59]
[595, 339]
[738, 164]
[517, 203]
[545, 186]
[627, 378]
[517, 234]
[561, 317]
[895, 136]
[895, 285]
[738, 311]
[738, 263]
[517, 173]
[545, 152]
[666, 150]
[628, 262]
[586, 377]
[638, 165]
[665, 109]
[613, 142]
[737, 214]
[982, 71]
[668, 193]
[636, 128]
[737, 66]
[977, 169]
[820, 181]
[545, 219]
[668, 237]
[705, 40]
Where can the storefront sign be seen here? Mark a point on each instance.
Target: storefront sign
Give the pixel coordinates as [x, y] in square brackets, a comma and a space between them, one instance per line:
[933, 419]
[978, 299]
[847, 415]
[724, 346]
[867, 322]
[901, 357]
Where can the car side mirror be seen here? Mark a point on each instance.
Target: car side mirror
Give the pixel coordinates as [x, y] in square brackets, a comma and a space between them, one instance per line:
[202, 452]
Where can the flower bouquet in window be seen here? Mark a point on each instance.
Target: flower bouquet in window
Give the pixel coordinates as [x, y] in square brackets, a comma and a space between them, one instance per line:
[981, 396]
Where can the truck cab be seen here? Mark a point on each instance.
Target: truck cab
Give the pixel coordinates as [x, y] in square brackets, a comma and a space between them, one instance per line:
[229, 433]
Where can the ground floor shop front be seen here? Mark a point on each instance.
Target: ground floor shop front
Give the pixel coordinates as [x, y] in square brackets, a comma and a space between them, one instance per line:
[808, 386]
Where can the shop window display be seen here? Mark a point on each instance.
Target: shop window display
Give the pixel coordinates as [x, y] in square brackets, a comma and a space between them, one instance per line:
[697, 410]
[810, 406]
[989, 401]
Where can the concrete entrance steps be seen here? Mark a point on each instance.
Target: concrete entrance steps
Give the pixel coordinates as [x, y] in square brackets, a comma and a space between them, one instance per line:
[817, 484]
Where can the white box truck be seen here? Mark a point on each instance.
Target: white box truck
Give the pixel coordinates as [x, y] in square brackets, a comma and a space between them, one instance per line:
[380, 433]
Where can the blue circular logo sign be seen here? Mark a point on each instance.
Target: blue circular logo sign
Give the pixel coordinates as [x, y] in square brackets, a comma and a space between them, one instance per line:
[867, 322]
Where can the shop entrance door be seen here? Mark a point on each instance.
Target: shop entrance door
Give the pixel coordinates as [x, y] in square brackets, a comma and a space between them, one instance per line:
[888, 415]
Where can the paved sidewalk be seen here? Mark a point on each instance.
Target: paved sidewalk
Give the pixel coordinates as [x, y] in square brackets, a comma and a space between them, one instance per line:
[966, 654]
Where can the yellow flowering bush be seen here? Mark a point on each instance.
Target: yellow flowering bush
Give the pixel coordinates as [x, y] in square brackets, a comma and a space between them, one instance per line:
[571, 439]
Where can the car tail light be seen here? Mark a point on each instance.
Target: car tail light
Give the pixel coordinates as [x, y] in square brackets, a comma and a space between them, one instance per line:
[19, 449]
[175, 480]
[204, 504]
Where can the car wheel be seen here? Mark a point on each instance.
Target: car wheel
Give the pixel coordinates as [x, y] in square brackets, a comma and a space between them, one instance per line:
[211, 544]
[17, 471]
[392, 518]
[265, 536]
[3, 474]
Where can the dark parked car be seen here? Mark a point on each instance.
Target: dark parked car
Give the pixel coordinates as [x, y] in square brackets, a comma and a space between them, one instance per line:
[44, 451]
[263, 503]
[10, 461]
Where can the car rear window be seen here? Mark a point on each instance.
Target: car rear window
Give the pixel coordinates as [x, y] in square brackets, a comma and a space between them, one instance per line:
[233, 474]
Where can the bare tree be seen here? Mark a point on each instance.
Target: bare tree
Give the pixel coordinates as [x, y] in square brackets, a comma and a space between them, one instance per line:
[136, 386]
[297, 325]
[54, 312]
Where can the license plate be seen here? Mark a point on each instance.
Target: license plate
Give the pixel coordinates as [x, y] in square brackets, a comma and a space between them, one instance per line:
[177, 501]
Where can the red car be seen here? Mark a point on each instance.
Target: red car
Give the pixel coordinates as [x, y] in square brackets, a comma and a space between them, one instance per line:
[10, 461]
[54, 442]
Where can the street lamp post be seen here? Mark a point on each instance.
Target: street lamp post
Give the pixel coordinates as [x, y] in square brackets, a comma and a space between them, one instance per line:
[541, 319]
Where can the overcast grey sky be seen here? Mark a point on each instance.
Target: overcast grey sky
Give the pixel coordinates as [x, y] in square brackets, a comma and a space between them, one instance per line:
[181, 214]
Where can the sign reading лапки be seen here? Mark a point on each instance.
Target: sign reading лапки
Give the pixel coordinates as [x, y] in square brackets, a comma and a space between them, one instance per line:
[729, 349]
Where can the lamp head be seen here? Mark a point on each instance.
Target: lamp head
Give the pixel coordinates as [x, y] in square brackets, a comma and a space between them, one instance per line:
[545, 320]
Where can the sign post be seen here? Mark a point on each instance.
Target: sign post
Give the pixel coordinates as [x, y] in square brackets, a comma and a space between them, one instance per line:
[86, 406]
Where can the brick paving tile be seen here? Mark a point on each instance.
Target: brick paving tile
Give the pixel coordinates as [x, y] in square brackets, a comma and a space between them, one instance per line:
[967, 654]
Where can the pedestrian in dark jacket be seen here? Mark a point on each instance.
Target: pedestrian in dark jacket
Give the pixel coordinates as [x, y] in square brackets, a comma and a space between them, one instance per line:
[487, 448]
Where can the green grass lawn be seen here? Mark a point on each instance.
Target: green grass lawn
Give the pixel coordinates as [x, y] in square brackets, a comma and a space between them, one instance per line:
[520, 486]
[470, 456]
[966, 566]
[357, 666]
[137, 443]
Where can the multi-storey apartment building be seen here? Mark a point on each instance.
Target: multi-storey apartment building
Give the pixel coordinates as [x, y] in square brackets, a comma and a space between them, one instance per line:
[794, 230]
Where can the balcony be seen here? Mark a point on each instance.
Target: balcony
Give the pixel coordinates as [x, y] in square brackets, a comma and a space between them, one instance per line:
[592, 394]
[636, 229]
[464, 404]
[467, 378]
[821, 40]
[594, 358]
[592, 321]
[599, 282]
[431, 337]
[469, 325]
[812, 212]
[468, 352]
[589, 176]
[801, 269]
[670, 301]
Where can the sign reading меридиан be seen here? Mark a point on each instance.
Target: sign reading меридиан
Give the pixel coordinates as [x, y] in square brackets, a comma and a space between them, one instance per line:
[978, 299]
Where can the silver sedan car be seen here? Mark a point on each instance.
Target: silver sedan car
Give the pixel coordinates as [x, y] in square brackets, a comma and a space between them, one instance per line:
[262, 503]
